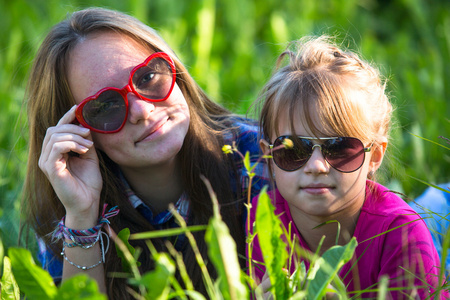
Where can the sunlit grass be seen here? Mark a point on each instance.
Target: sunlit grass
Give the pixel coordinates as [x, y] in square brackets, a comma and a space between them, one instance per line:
[230, 46]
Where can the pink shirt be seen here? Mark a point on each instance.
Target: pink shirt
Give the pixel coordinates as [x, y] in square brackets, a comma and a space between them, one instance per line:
[409, 246]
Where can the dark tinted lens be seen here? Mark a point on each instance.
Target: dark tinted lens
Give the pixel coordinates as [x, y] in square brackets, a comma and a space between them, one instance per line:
[345, 154]
[107, 112]
[290, 159]
[154, 80]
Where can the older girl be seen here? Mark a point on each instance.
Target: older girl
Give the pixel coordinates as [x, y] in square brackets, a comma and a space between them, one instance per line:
[331, 108]
[116, 119]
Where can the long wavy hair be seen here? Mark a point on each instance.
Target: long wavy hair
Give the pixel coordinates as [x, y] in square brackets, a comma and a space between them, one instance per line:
[49, 98]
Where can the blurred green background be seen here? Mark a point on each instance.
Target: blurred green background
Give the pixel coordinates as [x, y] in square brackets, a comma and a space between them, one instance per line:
[230, 47]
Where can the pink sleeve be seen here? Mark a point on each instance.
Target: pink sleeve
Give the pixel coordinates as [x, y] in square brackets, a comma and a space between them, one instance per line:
[415, 253]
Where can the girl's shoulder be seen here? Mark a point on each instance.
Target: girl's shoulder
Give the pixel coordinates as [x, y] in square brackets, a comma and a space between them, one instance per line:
[384, 210]
[384, 202]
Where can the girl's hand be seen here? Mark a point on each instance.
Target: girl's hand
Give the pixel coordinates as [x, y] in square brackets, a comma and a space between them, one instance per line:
[69, 161]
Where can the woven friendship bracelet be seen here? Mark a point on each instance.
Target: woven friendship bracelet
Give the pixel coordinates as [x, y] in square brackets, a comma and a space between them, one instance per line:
[87, 236]
[83, 244]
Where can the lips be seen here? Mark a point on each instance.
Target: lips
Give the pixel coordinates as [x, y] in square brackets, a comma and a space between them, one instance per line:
[151, 130]
[317, 188]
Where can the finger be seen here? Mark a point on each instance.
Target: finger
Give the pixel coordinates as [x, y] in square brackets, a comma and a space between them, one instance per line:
[63, 127]
[54, 136]
[65, 136]
[57, 153]
[68, 117]
[60, 144]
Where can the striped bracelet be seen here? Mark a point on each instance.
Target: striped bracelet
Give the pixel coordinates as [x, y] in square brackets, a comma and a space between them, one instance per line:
[86, 237]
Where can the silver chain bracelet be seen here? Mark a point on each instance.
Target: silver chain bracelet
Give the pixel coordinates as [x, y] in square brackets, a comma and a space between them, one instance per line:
[102, 252]
[78, 266]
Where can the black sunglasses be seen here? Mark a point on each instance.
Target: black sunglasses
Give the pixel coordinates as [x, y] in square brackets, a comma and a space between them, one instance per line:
[345, 154]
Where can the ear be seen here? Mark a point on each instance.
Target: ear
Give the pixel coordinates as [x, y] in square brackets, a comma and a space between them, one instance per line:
[264, 145]
[377, 156]
[265, 149]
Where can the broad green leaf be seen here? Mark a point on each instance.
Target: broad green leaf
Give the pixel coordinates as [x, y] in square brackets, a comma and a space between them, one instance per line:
[272, 245]
[158, 281]
[9, 289]
[223, 254]
[33, 281]
[328, 266]
[80, 286]
[124, 235]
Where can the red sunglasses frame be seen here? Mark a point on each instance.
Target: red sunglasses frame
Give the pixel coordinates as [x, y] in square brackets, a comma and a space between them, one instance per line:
[124, 92]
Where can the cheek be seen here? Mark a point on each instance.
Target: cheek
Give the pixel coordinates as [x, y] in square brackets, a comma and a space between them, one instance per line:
[285, 180]
[104, 141]
[177, 97]
[97, 139]
[352, 183]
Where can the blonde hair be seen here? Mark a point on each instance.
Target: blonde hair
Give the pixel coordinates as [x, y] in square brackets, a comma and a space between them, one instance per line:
[321, 76]
[49, 98]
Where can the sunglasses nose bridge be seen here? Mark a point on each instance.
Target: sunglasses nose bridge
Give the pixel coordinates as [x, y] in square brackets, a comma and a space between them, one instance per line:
[322, 152]
[316, 145]
[127, 89]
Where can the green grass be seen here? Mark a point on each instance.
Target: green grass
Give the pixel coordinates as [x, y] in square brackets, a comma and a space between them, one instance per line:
[230, 47]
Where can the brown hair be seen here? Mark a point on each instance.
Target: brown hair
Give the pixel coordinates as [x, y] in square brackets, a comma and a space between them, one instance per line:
[320, 75]
[49, 98]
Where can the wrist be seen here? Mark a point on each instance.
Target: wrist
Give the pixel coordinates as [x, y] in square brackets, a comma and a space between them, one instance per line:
[81, 221]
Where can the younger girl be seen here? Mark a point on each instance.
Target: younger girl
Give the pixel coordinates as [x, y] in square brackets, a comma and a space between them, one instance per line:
[333, 107]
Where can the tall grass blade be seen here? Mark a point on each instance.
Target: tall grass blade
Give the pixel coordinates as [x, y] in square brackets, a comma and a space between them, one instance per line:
[223, 253]
[273, 248]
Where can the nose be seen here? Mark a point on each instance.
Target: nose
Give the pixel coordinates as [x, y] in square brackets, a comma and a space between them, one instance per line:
[317, 164]
[138, 109]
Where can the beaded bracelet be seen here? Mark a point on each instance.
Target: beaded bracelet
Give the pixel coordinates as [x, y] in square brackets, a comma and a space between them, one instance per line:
[78, 266]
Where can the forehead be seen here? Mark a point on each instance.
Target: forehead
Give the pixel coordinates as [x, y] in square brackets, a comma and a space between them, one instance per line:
[103, 59]
[342, 114]
[295, 121]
